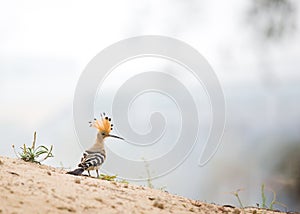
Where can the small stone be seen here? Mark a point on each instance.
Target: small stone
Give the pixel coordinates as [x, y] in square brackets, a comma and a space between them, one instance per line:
[236, 211]
[222, 209]
[196, 203]
[14, 173]
[158, 205]
[99, 199]
[77, 181]
[48, 172]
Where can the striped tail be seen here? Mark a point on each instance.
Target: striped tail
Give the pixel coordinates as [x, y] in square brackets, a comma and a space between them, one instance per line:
[77, 171]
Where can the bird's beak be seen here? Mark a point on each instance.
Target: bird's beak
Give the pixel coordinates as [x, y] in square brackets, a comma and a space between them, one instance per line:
[110, 135]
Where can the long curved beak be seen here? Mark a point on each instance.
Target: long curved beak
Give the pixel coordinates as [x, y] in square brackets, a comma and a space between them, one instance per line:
[110, 135]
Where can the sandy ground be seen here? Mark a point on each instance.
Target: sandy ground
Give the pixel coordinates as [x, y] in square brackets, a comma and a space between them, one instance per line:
[32, 188]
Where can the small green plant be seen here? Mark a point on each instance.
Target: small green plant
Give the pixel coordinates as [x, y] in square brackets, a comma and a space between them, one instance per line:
[31, 154]
[108, 177]
[123, 181]
[112, 178]
[236, 194]
[149, 178]
[263, 196]
[274, 200]
[163, 188]
[264, 199]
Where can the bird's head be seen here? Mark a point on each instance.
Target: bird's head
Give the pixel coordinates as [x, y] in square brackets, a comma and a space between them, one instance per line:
[104, 126]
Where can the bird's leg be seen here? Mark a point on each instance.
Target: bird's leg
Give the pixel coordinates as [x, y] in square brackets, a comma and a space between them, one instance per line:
[97, 173]
[89, 173]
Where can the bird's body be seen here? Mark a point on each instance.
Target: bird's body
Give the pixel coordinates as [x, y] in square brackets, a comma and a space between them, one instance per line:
[95, 156]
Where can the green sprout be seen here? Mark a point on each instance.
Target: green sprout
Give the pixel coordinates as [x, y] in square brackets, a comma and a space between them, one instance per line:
[236, 194]
[31, 154]
[124, 181]
[264, 199]
[274, 200]
[149, 178]
[108, 177]
[263, 196]
[112, 178]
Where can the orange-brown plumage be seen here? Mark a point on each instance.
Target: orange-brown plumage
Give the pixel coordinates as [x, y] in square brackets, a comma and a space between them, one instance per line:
[103, 124]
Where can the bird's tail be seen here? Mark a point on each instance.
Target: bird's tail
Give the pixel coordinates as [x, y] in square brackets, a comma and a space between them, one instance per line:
[77, 171]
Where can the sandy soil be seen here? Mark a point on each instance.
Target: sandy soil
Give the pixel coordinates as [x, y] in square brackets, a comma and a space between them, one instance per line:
[32, 188]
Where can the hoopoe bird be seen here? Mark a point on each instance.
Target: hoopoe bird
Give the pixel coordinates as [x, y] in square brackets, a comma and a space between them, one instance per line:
[94, 157]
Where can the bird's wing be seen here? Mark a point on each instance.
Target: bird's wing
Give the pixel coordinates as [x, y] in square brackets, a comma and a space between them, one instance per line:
[92, 159]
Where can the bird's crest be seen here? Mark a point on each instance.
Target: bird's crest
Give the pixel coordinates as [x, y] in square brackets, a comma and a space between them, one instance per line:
[103, 124]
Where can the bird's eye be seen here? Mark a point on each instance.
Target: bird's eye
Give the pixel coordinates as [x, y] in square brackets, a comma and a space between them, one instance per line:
[103, 133]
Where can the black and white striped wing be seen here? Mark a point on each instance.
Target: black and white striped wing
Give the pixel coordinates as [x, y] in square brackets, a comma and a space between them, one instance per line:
[92, 160]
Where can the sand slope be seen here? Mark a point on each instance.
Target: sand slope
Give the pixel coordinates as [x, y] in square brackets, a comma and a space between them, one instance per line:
[32, 188]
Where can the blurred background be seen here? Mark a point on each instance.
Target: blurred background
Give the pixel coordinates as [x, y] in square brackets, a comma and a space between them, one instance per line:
[252, 45]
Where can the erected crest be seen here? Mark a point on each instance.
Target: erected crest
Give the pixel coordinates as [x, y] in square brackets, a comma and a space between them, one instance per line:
[103, 124]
